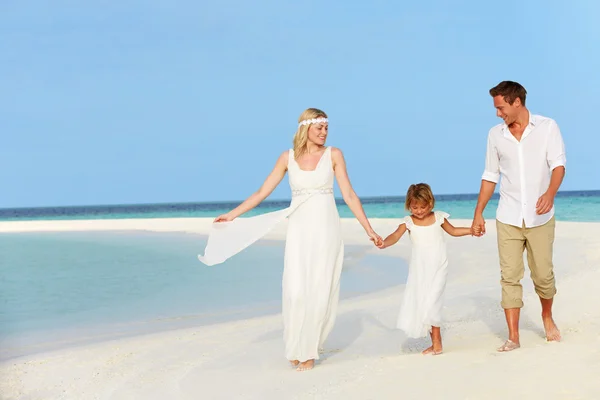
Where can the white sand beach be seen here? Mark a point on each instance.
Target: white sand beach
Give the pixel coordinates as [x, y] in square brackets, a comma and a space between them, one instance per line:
[365, 356]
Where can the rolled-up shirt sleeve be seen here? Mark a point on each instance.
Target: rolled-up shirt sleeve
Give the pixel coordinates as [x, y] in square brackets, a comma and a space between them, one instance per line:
[555, 153]
[492, 162]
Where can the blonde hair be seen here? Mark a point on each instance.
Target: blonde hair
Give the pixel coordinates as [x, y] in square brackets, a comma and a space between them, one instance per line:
[301, 136]
[420, 192]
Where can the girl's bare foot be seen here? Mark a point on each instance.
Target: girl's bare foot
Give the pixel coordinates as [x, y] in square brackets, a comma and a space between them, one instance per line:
[306, 365]
[433, 350]
[294, 363]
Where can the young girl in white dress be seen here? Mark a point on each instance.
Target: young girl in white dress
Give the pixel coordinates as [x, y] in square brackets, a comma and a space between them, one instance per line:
[421, 309]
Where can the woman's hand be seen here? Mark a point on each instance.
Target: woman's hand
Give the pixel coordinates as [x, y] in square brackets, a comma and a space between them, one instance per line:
[224, 218]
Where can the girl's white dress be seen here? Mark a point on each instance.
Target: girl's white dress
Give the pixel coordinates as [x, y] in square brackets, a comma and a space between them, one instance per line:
[314, 253]
[427, 272]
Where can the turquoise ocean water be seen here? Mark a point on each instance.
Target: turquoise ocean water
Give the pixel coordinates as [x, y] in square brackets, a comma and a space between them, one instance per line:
[570, 206]
[62, 289]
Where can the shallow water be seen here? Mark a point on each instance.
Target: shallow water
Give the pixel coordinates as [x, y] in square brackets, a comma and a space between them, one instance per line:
[69, 287]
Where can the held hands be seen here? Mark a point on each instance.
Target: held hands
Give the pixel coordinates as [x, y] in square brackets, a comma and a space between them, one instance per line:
[478, 226]
[544, 204]
[475, 231]
[376, 239]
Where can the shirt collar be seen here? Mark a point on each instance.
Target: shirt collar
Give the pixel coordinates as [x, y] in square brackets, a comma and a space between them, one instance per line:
[533, 120]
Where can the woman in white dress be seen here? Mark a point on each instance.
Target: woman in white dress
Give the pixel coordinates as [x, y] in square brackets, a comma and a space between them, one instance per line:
[314, 249]
[421, 310]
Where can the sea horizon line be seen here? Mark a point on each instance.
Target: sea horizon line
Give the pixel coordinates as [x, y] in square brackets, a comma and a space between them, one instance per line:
[364, 200]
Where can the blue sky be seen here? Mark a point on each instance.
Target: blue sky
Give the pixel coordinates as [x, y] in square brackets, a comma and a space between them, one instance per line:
[179, 101]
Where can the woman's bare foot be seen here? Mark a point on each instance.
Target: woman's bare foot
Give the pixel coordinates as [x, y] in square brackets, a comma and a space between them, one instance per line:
[306, 365]
[552, 332]
[294, 363]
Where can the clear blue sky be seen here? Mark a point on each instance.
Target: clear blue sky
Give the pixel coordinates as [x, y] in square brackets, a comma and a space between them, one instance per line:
[178, 101]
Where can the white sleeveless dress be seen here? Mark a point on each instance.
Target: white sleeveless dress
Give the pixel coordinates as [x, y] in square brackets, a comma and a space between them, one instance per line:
[314, 253]
[427, 272]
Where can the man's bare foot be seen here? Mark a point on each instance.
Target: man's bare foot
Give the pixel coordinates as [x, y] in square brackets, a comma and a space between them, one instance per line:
[509, 345]
[294, 363]
[552, 332]
[306, 365]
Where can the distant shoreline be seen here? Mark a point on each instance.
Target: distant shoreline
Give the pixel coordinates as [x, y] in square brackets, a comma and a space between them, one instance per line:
[275, 202]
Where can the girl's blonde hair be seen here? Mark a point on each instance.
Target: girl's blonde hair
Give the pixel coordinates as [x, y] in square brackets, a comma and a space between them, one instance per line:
[301, 136]
[421, 193]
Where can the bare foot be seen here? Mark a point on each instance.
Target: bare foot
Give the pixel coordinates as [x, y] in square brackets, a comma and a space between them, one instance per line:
[509, 345]
[306, 365]
[435, 349]
[294, 363]
[552, 332]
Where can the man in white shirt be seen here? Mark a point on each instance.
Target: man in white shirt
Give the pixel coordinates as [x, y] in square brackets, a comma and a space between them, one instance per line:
[527, 154]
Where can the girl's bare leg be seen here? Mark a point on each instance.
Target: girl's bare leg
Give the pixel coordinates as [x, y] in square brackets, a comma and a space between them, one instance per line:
[436, 342]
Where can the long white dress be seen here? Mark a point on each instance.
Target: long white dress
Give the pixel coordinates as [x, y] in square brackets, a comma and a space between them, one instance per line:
[314, 253]
[427, 272]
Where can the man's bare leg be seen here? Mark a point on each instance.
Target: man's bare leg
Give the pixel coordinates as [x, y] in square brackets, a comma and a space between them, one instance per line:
[512, 320]
[552, 332]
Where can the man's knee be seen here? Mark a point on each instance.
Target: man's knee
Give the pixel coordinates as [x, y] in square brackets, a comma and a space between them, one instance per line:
[512, 295]
[545, 285]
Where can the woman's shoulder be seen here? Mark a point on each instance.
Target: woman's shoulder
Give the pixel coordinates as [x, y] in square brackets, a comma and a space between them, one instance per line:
[336, 153]
[285, 157]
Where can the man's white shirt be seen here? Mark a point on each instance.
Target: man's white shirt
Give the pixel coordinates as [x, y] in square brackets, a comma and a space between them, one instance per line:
[523, 168]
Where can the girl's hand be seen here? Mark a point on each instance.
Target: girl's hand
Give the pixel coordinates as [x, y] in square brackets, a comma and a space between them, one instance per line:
[475, 231]
[224, 218]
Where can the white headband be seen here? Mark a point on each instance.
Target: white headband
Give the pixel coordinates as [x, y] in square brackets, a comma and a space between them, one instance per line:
[312, 121]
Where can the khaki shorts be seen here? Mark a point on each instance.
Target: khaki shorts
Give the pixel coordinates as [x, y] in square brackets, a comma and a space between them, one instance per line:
[538, 241]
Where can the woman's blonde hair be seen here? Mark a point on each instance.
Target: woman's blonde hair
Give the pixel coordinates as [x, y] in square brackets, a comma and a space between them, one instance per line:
[421, 193]
[301, 136]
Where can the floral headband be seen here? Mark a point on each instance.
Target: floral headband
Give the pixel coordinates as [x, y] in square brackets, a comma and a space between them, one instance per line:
[312, 121]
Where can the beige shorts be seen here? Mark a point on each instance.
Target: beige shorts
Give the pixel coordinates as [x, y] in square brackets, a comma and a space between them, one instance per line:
[538, 241]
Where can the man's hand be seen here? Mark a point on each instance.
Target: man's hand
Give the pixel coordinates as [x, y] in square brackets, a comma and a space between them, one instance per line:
[544, 204]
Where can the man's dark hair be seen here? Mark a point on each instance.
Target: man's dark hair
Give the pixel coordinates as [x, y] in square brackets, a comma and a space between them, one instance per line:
[510, 91]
